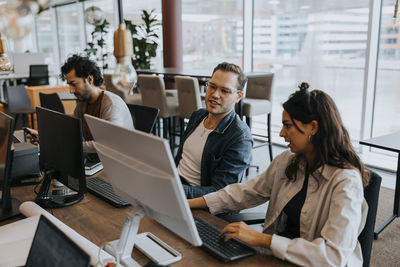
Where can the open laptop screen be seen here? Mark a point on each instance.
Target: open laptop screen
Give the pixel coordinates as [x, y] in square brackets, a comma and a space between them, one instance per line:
[51, 247]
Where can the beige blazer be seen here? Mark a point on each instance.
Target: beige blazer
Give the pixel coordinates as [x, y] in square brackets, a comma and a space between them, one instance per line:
[331, 219]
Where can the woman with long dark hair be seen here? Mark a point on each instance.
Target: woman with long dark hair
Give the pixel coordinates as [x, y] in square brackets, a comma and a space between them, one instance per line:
[315, 191]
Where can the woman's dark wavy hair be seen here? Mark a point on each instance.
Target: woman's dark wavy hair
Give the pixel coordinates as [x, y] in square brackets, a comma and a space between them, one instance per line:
[332, 142]
[83, 67]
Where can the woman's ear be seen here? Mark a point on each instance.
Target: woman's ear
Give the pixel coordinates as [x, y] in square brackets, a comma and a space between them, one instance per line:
[314, 127]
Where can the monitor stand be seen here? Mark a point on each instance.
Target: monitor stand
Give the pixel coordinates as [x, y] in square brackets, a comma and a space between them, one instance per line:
[55, 198]
[150, 245]
[11, 211]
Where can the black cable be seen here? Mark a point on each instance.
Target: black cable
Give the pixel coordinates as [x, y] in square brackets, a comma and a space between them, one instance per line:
[120, 14]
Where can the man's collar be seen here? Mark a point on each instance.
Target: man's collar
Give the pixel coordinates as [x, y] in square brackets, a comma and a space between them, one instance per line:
[226, 121]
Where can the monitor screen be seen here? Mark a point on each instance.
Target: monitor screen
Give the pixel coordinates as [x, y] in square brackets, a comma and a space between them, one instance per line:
[51, 247]
[61, 147]
[142, 171]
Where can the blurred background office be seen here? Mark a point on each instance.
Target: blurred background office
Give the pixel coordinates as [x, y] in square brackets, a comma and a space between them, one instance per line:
[350, 49]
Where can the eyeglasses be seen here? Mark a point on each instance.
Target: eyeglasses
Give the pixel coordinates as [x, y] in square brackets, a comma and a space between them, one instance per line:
[224, 91]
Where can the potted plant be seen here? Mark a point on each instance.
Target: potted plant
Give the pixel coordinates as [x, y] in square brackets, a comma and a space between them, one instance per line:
[97, 47]
[144, 39]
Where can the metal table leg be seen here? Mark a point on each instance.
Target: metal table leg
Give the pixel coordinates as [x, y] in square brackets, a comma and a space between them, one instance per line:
[396, 211]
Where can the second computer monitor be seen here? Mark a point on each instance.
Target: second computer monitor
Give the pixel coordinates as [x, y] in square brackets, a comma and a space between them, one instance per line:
[61, 152]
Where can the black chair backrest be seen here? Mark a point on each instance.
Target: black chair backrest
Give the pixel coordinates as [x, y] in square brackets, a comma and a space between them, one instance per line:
[371, 195]
[51, 101]
[144, 118]
[38, 75]
[18, 99]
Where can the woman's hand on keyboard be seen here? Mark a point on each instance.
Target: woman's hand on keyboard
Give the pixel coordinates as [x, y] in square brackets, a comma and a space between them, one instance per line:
[245, 233]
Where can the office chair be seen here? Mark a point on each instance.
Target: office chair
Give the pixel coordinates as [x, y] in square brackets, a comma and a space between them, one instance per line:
[51, 101]
[258, 102]
[188, 98]
[144, 118]
[38, 75]
[371, 195]
[152, 89]
[19, 103]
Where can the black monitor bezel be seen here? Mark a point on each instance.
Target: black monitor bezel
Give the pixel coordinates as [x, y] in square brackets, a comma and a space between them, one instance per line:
[9, 206]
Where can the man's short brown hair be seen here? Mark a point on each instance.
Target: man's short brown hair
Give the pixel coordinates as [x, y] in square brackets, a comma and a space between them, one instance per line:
[230, 67]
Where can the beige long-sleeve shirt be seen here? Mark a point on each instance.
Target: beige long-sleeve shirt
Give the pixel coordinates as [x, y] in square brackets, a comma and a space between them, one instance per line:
[112, 109]
[331, 219]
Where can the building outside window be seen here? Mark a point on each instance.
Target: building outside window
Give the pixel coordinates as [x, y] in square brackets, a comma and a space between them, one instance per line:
[322, 45]
[212, 32]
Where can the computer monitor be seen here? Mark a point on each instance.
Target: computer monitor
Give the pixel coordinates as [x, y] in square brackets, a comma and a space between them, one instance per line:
[142, 171]
[9, 206]
[61, 158]
[38, 75]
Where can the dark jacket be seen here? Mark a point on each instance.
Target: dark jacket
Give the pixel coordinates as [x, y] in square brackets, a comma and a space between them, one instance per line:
[226, 154]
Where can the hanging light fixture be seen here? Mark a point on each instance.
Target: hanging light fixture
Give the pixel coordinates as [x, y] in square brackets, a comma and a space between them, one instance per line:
[5, 64]
[17, 18]
[124, 76]
[94, 15]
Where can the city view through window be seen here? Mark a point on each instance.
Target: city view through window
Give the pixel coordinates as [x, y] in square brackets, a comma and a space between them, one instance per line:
[323, 43]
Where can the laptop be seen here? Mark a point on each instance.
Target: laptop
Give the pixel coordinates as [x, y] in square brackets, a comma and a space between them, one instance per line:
[52, 248]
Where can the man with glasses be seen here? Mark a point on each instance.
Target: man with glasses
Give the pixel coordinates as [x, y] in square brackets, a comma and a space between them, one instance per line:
[216, 147]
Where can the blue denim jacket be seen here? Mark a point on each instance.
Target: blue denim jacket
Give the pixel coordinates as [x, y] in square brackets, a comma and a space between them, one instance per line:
[226, 154]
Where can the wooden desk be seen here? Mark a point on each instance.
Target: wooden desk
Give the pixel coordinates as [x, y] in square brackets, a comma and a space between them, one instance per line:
[34, 91]
[389, 142]
[98, 221]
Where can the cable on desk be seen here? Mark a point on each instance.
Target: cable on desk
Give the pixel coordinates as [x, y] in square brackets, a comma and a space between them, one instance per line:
[108, 264]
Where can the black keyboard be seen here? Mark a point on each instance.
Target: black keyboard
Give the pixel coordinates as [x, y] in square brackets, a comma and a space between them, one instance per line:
[104, 190]
[214, 243]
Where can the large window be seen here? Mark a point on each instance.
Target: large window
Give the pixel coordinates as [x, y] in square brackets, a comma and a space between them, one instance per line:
[387, 93]
[133, 11]
[68, 29]
[324, 46]
[45, 43]
[212, 32]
